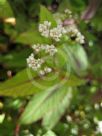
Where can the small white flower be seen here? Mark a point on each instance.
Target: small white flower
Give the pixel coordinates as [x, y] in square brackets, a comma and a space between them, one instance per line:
[47, 23]
[77, 113]
[57, 32]
[99, 128]
[44, 28]
[50, 49]
[37, 48]
[36, 64]
[95, 119]
[86, 125]
[41, 72]
[80, 38]
[67, 11]
[74, 131]
[47, 69]
[96, 106]
[33, 63]
[69, 118]
[72, 29]
[74, 32]
[101, 104]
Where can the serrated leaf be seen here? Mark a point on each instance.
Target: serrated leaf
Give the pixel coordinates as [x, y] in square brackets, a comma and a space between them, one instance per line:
[37, 106]
[45, 102]
[52, 117]
[25, 83]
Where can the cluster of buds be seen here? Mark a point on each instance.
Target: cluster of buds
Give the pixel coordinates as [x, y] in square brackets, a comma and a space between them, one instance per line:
[80, 38]
[57, 32]
[74, 32]
[54, 33]
[36, 64]
[68, 25]
[45, 28]
[45, 71]
[68, 12]
[33, 63]
[50, 49]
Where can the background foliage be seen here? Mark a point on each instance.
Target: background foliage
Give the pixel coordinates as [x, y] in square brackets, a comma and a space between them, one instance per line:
[48, 112]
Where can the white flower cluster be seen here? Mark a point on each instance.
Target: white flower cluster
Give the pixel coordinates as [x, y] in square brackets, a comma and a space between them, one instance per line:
[45, 28]
[99, 128]
[54, 33]
[68, 11]
[36, 64]
[57, 32]
[33, 63]
[45, 71]
[80, 38]
[74, 131]
[51, 49]
[74, 32]
[70, 29]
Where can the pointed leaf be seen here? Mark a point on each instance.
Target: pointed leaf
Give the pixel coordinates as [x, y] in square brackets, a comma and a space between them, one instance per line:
[36, 108]
[25, 83]
[5, 9]
[45, 15]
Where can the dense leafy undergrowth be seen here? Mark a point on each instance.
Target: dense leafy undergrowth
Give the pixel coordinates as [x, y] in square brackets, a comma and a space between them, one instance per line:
[50, 68]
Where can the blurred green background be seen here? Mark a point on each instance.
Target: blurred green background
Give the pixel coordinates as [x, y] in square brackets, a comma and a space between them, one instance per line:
[19, 20]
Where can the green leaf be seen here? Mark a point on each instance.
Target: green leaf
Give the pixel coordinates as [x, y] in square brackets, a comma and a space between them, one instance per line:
[45, 15]
[45, 103]
[5, 9]
[37, 106]
[52, 117]
[75, 81]
[25, 83]
[77, 58]
[60, 58]
[50, 133]
[32, 36]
